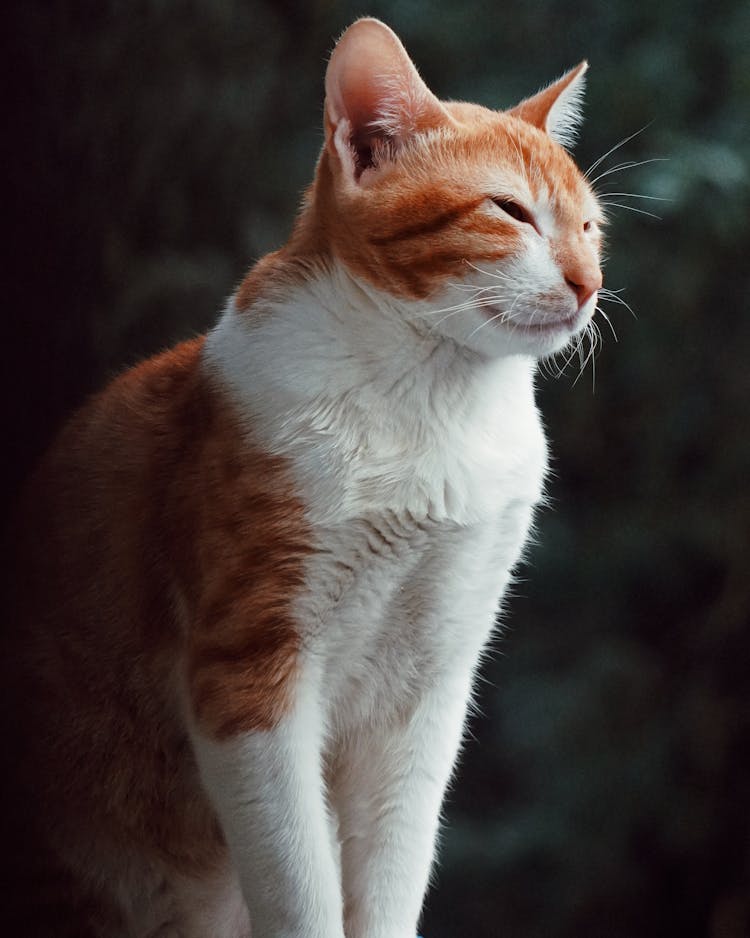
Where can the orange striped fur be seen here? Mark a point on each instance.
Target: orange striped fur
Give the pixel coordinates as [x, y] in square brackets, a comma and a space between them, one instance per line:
[409, 233]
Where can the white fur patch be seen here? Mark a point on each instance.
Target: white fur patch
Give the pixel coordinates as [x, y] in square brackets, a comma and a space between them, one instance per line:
[419, 462]
[373, 413]
[267, 789]
[566, 114]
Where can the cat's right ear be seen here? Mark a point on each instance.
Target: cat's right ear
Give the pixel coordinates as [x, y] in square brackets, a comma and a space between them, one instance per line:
[375, 99]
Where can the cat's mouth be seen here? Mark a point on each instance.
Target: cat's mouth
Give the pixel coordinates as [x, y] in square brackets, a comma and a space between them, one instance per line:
[563, 324]
[551, 326]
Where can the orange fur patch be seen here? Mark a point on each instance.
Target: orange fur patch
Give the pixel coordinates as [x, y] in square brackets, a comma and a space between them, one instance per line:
[245, 565]
[154, 552]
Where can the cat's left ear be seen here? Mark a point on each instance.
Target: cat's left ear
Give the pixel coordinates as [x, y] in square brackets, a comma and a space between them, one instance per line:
[375, 99]
[557, 109]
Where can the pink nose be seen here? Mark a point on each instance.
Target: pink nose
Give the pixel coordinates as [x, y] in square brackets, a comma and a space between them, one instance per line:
[584, 284]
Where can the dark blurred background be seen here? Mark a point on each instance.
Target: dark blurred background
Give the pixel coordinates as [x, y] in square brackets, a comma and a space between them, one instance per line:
[155, 149]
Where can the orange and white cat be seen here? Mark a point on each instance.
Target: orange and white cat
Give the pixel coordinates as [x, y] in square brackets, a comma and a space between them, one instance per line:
[254, 575]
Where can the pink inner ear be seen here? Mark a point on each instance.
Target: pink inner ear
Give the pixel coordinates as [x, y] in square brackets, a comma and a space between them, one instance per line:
[372, 83]
[359, 97]
[356, 91]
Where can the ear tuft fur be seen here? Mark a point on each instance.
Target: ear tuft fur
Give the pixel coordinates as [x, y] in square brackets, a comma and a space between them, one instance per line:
[558, 108]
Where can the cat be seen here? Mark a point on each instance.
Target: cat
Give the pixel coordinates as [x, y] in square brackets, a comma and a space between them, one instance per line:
[254, 576]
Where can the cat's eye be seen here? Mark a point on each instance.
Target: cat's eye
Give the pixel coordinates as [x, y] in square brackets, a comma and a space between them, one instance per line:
[588, 225]
[512, 208]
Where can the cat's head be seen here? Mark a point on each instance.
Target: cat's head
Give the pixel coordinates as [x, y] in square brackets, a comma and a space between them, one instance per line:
[478, 220]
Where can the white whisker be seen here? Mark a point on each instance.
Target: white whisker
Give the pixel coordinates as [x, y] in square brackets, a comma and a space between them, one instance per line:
[463, 307]
[591, 334]
[608, 321]
[631, 164]
[612, 296]
[497, 275]
[574, 348]
[468, 288]
[638, 195]
[611, 150]
[457, 307]
[504, 313]
[631, 208]
[503, 316]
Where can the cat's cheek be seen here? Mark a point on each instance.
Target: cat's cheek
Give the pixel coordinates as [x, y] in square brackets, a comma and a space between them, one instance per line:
[518, 304]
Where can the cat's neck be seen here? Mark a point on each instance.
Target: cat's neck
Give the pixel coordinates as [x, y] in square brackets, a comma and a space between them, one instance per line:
[369, 408]
[330, 340]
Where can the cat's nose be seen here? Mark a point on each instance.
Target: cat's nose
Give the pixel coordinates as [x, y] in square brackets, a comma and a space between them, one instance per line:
[584, 283]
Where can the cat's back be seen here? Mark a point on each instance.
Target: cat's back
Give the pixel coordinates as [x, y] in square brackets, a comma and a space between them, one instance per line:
[114, 435]
[88, 509]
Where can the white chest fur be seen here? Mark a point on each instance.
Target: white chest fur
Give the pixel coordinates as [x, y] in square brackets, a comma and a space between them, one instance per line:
[419, 464]
[393, 603]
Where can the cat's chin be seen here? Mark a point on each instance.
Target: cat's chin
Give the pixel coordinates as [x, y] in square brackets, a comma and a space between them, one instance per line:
[550, 335]
[515, 336]
[568, 326]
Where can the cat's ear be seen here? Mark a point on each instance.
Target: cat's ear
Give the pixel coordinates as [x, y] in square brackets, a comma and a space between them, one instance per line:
[375, 99]
[557, 109]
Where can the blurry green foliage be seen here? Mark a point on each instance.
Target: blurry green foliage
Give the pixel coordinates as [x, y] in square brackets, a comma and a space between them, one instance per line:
[158, 147]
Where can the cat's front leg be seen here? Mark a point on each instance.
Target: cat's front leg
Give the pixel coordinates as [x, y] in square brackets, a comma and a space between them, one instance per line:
[267, 789]
[388, 790]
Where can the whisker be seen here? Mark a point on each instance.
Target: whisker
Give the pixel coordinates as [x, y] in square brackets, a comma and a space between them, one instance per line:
[503, 313]
[453, 312]
[598, 345]
[617, 146]
[630, 164]
[638, 195]
[632, 208]
[552, 367]
[545, 366]
[457, 307]
[497, 275]
[468, 288]
[608, 321]
[569, 359]
[590, 334]
[613, 296]
[472, 288]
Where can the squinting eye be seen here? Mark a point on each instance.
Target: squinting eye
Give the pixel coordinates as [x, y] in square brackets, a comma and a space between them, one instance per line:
[515, 211]
[587, 225]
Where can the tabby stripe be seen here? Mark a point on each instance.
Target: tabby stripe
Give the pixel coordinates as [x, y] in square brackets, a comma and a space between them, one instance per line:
[431, 225]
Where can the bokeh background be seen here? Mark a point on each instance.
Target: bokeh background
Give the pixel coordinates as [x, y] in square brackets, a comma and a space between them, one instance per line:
[154, 149]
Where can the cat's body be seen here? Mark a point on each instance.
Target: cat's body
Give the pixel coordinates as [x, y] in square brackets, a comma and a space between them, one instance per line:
[255, 574]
